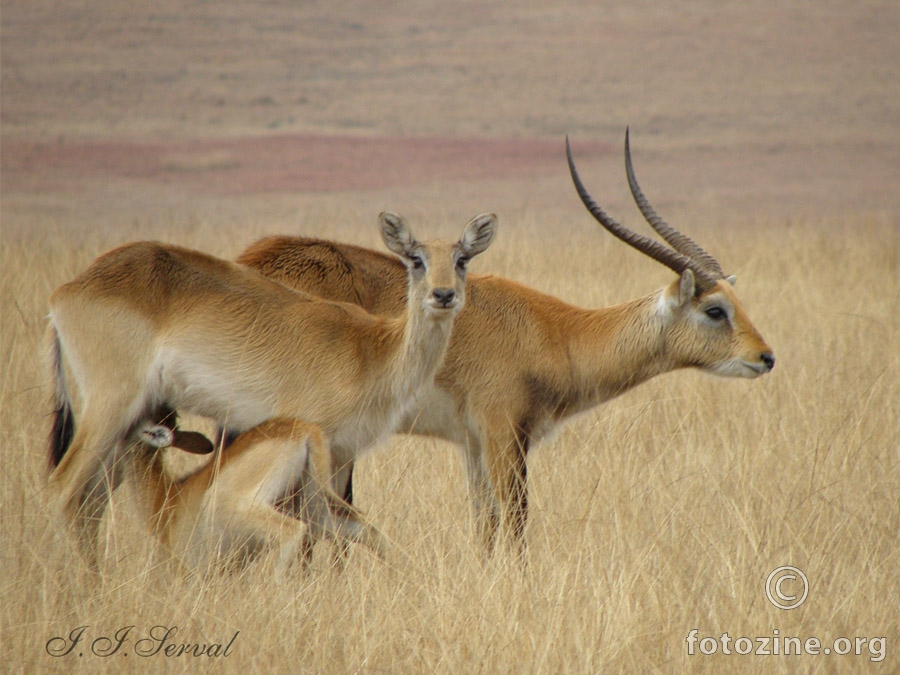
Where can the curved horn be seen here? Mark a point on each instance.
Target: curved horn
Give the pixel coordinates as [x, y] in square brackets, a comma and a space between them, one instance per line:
[681, 243]
[671, 259]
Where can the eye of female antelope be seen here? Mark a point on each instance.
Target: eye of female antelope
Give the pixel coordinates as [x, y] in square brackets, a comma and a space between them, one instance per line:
[461, 262]
[716, 313]
[417, 261]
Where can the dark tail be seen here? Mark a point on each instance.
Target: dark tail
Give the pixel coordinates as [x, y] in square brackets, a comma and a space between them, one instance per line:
[63, 422]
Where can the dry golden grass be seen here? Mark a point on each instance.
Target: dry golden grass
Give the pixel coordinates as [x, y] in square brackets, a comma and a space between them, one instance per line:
[658, 513]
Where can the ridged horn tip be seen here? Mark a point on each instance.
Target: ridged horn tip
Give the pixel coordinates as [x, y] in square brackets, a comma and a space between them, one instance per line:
[680, 242]
[672, 259]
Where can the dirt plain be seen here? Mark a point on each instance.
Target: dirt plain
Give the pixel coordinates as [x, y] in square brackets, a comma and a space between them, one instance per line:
[771, 109]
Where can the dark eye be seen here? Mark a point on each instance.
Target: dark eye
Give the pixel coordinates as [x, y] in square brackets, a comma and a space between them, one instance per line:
[461, 262]
[715, 313]
[417, 262]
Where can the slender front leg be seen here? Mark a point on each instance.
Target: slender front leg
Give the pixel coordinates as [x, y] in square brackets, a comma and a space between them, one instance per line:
[342, 484]
[508, 470]
[485, 507]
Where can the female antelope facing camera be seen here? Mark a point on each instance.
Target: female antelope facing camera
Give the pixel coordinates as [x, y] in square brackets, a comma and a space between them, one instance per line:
[520, 361]
[150, 326]
[250, 497]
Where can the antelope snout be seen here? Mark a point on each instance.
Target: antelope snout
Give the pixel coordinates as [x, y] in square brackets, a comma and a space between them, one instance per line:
[443, 297]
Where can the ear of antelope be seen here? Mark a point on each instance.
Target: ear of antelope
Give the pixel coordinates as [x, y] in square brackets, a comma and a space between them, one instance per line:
[251, 497]
[150, 326]
[520, 361]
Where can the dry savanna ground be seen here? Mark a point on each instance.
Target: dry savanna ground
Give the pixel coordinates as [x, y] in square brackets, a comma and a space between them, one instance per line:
[768, 132]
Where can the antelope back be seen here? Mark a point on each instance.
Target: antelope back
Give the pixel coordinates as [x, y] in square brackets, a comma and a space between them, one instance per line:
[341, 272]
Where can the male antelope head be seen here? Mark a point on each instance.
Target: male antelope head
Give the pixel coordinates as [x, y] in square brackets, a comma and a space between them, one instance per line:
[705, 325]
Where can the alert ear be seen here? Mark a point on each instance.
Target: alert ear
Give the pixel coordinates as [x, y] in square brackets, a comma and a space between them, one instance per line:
[686, 288]
[396, 234]
[478, 235]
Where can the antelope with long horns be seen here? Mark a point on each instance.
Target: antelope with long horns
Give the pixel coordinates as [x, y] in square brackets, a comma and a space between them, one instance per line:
[151, 327]
[520, 361]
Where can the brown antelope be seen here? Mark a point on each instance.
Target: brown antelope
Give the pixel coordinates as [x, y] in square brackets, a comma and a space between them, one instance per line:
[151, 327]
[251, 496]
[520, 361]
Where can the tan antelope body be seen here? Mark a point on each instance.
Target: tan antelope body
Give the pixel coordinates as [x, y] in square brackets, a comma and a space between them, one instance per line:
[520, 361]
[251, 497]
[151, 327]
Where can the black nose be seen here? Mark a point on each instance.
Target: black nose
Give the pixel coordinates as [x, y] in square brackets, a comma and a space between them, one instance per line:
[444, 295]
[768, 359]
